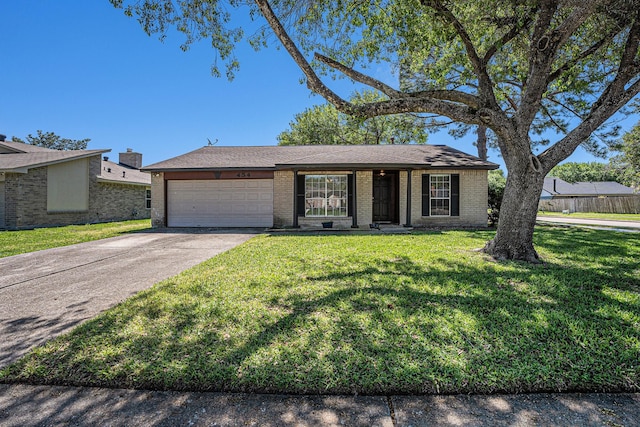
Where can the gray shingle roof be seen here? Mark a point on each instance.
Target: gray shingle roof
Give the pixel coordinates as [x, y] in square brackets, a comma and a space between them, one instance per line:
[113, 172]
[313, 156]
[20, 147]
[564, 188]
[19, 157]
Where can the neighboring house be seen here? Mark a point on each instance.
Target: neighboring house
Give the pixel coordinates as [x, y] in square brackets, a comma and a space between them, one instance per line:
[607, 197]
[556, 188]
[305, 186]
[44, 187]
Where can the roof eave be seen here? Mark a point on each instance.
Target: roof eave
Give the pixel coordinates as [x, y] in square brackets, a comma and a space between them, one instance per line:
[25, 169]
[351, 166]
[22, 170]
[114, 181]
[208, 169]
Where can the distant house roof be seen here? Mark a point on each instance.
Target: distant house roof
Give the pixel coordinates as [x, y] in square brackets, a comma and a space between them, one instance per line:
[19, 157]
[322, 156]
[121, 174]
[557, 187]
[10, 147]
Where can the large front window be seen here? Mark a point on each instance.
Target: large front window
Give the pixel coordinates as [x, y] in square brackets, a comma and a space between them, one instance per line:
[325, 195]
[440, 195]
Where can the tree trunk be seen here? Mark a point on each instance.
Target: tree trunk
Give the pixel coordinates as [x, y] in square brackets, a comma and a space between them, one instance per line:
[514, 237]
[481, 142]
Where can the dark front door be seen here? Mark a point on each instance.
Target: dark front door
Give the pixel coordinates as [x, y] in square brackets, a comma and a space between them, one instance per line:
[384, 194]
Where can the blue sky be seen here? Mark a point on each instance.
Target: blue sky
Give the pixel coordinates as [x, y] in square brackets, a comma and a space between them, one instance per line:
[81, 69]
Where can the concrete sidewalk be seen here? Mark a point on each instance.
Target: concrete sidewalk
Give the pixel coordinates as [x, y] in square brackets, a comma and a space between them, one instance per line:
[23, 405]
[633, 225]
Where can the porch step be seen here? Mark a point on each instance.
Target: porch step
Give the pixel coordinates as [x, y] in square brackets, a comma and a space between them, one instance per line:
[390, 228]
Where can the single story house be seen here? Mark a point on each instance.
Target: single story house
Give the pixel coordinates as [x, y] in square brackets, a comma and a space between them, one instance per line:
[305, 186]
[556, 188]
[605, 197]
[43, 187]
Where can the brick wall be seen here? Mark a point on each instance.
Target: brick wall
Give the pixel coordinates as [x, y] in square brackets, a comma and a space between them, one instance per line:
[116, 202]
[26, 196]
[158, 214]
[283, 198]
[364, 193]
[473, 200]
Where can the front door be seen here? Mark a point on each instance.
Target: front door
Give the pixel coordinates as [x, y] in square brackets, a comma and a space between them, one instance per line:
[384, 198]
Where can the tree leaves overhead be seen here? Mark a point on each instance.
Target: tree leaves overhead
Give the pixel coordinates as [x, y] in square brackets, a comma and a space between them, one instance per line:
[325, 125]
[196, 20]
[436, 43]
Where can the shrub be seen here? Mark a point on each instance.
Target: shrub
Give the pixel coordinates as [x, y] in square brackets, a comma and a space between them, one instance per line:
[497, 182]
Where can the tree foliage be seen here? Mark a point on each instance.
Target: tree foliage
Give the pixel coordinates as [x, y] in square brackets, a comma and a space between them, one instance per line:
[586, 172]
[497, 183]
[325, 125]
[53, 141]
[523, 69]
[628, 162]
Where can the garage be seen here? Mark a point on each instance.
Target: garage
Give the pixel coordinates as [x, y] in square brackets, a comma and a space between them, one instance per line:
[220, 203]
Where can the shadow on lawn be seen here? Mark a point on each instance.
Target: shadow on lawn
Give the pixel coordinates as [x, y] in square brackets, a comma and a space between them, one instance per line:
[491, 336]
[392, 326]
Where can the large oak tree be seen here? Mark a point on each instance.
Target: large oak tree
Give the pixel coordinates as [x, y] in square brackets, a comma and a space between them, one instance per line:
[518, 68]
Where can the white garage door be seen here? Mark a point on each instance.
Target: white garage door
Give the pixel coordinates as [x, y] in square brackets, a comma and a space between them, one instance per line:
[1, 204]
[220, 203]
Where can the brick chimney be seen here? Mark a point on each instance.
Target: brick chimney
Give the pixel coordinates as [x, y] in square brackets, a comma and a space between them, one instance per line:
[131, 159]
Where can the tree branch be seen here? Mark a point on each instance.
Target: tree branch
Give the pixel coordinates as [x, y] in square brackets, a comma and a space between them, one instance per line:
[510, 35]
[447, 95]
[358, 76]
[628, 67]
[542, 53]
[452, 110]
[567, 145]
[313, 81]
[583, 55]
[485, 85]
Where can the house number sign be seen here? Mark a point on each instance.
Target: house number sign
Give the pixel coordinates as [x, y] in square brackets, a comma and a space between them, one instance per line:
[214, 175]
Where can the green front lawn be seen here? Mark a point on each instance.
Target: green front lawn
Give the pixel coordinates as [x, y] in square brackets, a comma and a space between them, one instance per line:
[371, 314]
[593, 215]
[23, 241]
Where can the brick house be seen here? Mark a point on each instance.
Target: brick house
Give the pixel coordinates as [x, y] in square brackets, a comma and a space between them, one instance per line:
[305, 186]
[43, 187]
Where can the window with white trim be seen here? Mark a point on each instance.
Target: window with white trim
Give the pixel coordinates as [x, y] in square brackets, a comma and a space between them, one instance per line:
[325, 195]
[147, 199]
[440, 195]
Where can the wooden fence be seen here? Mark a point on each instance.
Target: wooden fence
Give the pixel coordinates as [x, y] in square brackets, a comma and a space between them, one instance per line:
[593, 204]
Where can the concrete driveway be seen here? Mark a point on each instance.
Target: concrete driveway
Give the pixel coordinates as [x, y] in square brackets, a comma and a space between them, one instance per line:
[47, 293]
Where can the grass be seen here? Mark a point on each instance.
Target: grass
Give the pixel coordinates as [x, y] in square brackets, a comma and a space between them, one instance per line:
[370, 314]
[594, 215]
[23, 241]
